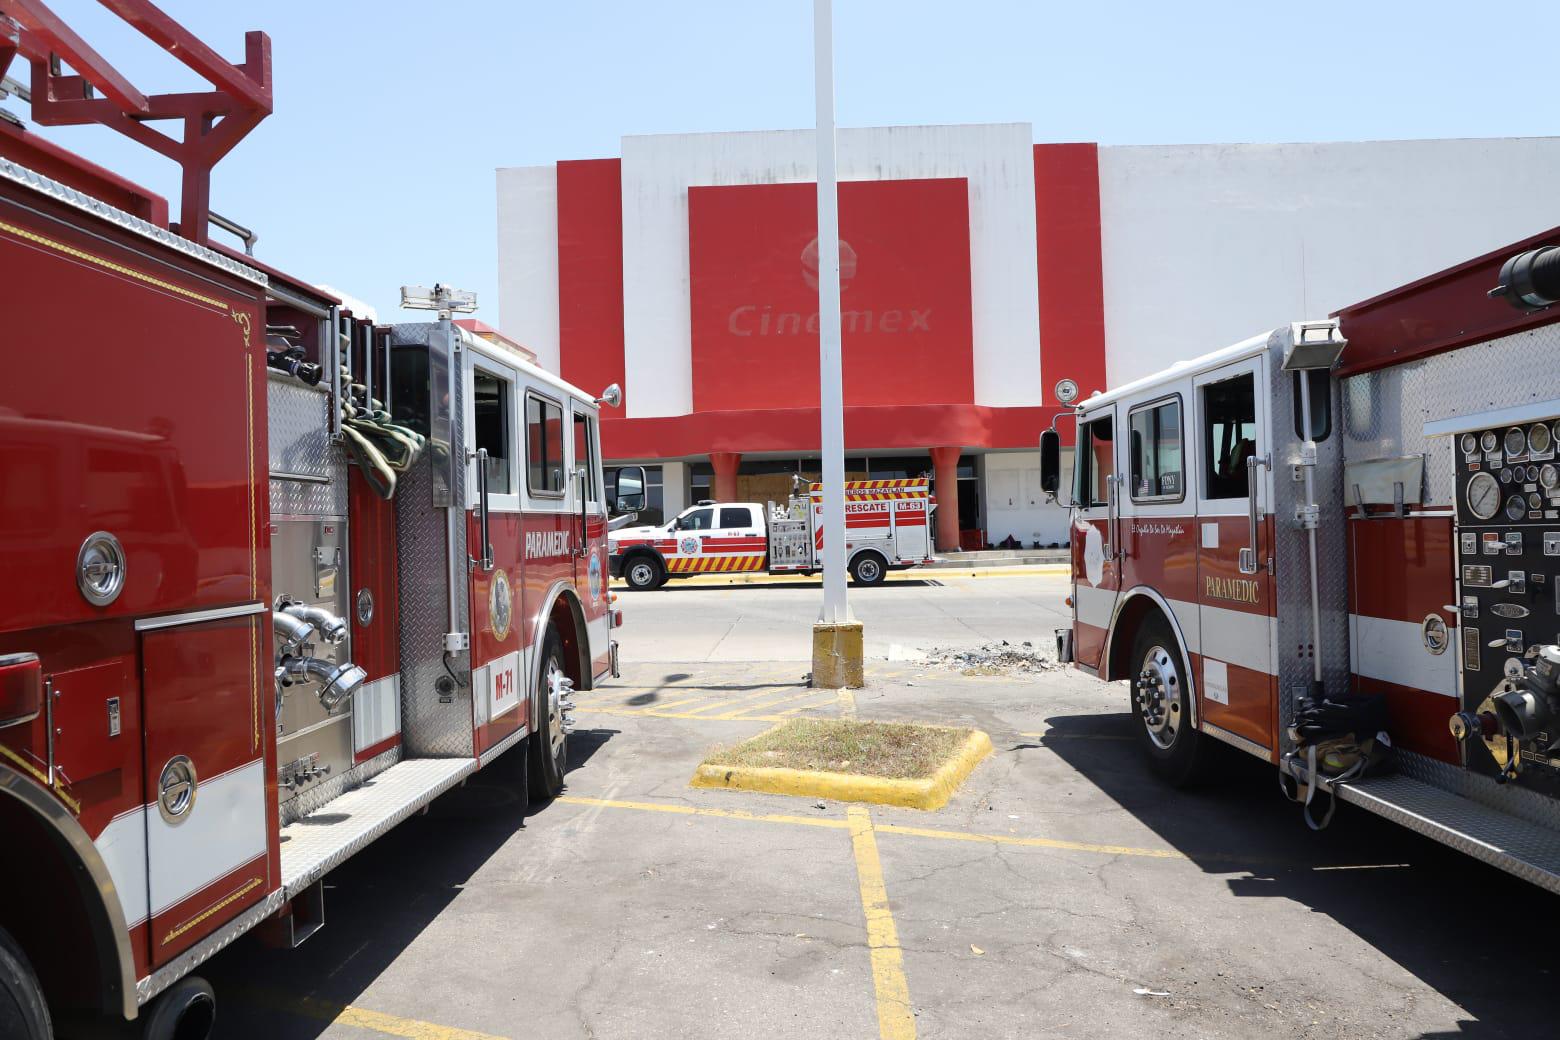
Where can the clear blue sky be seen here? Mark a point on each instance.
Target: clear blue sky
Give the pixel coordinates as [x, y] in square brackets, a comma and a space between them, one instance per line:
[377, 167]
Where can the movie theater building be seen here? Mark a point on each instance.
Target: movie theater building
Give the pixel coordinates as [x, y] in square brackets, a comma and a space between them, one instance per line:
[977, 269]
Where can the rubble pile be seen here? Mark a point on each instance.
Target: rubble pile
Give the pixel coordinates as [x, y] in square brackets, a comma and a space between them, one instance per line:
[1000, 658]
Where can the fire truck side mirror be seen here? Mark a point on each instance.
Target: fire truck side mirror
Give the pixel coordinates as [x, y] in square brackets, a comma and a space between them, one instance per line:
[628, 495]
[1050, 463]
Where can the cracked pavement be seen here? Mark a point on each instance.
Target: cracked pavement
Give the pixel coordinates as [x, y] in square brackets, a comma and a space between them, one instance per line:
[589, 919]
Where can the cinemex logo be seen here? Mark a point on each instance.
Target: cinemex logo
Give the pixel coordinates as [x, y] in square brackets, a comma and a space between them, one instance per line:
[755, 320]
[546, 543]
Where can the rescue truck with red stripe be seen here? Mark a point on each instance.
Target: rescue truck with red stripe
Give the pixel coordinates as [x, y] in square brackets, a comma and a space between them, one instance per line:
[1336, 547]
[887, 527]
[276, 576]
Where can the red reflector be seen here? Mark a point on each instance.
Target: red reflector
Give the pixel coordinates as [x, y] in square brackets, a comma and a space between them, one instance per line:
[617, 619]
[21, 688]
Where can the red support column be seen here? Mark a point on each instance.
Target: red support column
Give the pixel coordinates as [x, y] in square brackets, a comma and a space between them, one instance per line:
[725, 463]
[945, 485]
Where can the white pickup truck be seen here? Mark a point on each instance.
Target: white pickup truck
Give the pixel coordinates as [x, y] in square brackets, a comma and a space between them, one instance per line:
[888, 525]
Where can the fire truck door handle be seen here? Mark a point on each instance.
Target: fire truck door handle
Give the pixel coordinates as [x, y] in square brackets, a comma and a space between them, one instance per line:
[1248, 554]
[486, 562]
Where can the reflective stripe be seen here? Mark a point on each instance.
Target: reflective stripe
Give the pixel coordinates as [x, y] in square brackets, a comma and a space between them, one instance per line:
[1394, 651]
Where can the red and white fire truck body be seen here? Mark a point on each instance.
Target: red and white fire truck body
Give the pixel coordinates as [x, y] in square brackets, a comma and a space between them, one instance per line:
[216, 629]
[887, 527]
[1228, 560]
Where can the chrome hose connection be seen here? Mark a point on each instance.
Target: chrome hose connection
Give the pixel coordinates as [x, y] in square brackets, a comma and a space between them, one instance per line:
[331, 628]
[336, 682]
[293, 630]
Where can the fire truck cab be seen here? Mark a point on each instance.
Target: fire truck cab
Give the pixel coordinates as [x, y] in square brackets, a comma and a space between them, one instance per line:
[1356, 518]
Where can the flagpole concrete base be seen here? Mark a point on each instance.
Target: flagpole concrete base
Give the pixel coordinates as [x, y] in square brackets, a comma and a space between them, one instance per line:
[837, 655]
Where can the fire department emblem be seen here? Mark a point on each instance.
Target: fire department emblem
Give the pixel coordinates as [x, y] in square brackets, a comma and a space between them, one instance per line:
[501, 605]
[1093, 554]
[689, 546]
[595, 576]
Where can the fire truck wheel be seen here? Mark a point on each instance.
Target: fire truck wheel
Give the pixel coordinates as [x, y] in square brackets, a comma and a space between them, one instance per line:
[1161, 703]
[185, 1010]
[23, 1011]
[550, 744]
[868, 568]
[644, 572]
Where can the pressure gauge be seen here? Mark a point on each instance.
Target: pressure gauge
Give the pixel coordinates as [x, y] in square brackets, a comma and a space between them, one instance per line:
[1532, 474]
[1483, 496]
[1538, 439]
[1535, 500]
[1549, 476]
[1489, 440]
[1505, 475]
[1516, 441]
[1516, 507]
[1470, 444]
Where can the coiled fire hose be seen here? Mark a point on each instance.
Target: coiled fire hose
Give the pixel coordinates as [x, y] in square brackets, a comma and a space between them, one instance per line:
[380, 447]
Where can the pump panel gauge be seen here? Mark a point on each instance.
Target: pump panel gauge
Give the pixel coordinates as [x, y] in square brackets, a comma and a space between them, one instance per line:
[1489, 441]
[1470, 444]
[1516, 441]
[1505, 475]
[1483, 496]
[1538, 439]
[1516, 507]
[1548, 476]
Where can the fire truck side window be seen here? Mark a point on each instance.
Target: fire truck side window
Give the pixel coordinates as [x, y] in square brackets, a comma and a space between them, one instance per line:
[1096, 462]
[490, 427]
[544, 445]
[585, 455]
[1156, 451]
[1229, 415]
[736, 516]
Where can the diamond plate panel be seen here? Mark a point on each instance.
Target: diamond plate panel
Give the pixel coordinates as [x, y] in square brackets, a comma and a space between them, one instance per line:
[1291, 549]
[1515, 845]
[431, 541]
[1384, 412]
[312, 847]
[325, 792]
[298, 435]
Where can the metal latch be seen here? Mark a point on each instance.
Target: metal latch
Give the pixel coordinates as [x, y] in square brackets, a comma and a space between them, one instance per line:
[1308, 517]
[456, 641]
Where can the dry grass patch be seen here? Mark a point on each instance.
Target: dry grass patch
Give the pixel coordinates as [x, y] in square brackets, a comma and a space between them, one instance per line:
[893, 750]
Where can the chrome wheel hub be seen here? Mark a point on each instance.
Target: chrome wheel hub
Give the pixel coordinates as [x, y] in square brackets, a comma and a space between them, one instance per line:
[1157, 690]
[640, 574]
[560, 708]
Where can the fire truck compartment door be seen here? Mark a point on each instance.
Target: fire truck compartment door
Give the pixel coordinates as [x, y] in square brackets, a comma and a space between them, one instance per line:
[1096, 564]
[206, 714]
[1235, 603]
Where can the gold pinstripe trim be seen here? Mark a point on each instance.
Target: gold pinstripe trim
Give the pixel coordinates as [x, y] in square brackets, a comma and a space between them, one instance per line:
[109, 265]
[42, 777]
[248, 887]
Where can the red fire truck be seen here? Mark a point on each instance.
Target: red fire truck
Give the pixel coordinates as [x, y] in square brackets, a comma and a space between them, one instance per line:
[888, 526]
[1355, 519]
[258, 551]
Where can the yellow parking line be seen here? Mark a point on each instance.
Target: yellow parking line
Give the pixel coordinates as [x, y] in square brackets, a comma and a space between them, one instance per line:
[890, 828]
[831, 823]
[362, 1018]
[828, 699]
[896, 1020]
[680, 715]
[758, 697]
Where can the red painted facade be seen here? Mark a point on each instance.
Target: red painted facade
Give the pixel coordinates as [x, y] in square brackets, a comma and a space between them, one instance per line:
[1072, 289]
[590, 274]
[905, 294]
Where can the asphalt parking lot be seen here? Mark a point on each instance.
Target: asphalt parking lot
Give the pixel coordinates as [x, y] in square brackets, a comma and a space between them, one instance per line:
[1062, 893]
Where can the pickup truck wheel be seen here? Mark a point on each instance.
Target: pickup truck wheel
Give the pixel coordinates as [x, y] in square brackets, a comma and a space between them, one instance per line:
[644, 572]
[23, 1012]
[868, 568]
[549, 752]
[1161, 704]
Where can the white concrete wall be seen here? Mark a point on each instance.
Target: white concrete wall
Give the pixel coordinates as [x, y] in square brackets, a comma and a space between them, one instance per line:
[998, 161]
[528, 259]
[1014, 504]
[1205, 245]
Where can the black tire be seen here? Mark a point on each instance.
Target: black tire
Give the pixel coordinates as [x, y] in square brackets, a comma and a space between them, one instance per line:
[186, 1010]
[24, 1013]
[868, 568]
[549, 752]
[643, 572]
[514, 769]
[1161, 704]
